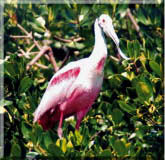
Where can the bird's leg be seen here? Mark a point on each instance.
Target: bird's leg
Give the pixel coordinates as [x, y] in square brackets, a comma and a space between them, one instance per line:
[80, 115]
[59, 130]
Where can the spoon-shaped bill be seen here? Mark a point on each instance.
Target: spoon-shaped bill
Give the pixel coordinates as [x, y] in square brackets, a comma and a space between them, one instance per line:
[122, 54]
[110, 32]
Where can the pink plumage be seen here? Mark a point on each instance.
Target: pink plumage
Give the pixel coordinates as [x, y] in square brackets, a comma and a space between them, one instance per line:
[48, 119]
[74, 88]
[66, 75]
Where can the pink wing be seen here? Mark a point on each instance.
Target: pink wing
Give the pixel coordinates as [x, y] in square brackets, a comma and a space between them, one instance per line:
[56, 93]
[72, 73]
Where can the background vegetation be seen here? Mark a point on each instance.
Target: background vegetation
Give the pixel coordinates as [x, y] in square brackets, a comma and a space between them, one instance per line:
[126, 121]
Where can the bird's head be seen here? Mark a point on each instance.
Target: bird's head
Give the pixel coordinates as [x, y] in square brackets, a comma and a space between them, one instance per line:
[105, 22]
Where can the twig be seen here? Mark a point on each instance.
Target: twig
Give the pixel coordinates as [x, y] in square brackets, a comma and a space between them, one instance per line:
[45, 49]
[22, 29]
[37, 44]
[37, 64]
[95, 135]
[130, 16]
[29, 35]
[32, 53]
[41, 66]
[42, 50]
[73, 39]
[28, 51]
[35, 59]
[23, 53]
[78, 39]
[66, 57]
[13, 36]
[114, 58]
[52, 59]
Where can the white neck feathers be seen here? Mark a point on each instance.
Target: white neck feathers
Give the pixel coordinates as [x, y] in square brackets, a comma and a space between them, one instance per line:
[100, 47]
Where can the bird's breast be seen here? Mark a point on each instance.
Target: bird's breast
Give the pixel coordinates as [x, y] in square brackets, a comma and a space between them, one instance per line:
[100, 65]
[84, 91]
[90, 79]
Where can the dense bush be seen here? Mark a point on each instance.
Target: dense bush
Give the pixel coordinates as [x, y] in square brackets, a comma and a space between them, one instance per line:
[126, 121]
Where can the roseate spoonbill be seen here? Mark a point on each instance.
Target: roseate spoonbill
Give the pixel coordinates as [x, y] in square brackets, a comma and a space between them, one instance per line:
[74, 88]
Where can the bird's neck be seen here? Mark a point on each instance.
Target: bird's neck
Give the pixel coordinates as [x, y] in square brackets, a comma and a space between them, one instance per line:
[99, 52]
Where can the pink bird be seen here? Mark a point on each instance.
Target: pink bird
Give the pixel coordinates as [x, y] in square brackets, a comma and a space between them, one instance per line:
[74, 88]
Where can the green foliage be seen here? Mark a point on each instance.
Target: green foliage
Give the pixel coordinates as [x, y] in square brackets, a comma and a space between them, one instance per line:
[126, 121]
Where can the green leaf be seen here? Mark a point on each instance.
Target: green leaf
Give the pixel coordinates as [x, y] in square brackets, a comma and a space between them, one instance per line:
[25, 84]
[136, 48]
[120, 148]
[121, 8]
[144, 89]
[9, 69]
[4, 102]
[112, 140]
[32, 102]
[141, 16]
[69, 144]
[26, 130]
[47, 139]
[106, 153]
[133, 48]
[36, 134]
[55, 151]
[117, 116]
[79, 137]
[141, 131]
[130, 49]
[84, 10]
[115, 81]
[15, 150]
[155, 67]
[31, 155]
[36, 26]
[64, 145]
[126, 107]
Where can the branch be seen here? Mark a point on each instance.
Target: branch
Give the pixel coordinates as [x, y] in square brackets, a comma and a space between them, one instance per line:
[130, 16]
[41, 66]
[29, 35]
[95, 135]
[22, 29]
[15, 37]
[114, 58]
[28, 51]
[36, 58]
[27, 56]
[32, 53]
[73, 39]
[23, 53]
[44, 50]
[52, 59]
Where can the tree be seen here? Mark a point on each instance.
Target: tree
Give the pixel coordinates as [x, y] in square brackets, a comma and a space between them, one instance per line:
[126, 121]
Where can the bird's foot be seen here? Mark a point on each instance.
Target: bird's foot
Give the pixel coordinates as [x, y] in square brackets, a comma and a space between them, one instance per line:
[59, 131]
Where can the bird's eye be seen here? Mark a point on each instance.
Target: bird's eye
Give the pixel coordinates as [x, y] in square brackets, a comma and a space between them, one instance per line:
[103, 20]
